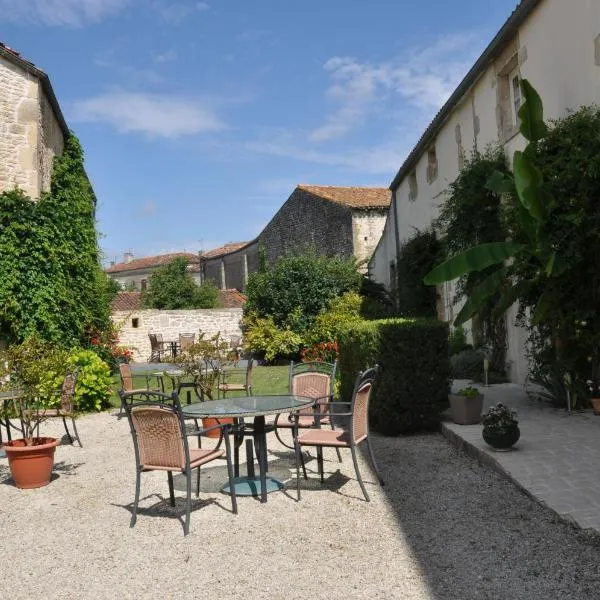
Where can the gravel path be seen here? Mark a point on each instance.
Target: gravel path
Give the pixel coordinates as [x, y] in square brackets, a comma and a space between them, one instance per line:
[443, 528]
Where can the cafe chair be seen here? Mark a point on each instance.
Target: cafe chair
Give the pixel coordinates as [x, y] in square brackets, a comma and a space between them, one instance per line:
[66, 410]
[160, 442]
[355, 434]
[186, 340]
[157, 347]
[127, 383]
[316, 380]
[225, 386]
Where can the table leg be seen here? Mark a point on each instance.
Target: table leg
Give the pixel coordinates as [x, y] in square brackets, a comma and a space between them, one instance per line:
[261, 439]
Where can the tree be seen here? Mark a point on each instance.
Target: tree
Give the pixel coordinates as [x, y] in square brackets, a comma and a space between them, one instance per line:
[296, 289]
[172, 287]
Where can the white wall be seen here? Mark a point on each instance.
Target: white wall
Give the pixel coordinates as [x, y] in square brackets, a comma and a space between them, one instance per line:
[557, 49]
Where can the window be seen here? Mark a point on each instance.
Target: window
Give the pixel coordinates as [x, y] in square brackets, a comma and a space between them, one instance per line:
[432, 165]
[144, 284]
[412, 186]
[135, 322]
[515, 96]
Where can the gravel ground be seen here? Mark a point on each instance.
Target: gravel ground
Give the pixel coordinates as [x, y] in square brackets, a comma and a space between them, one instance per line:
[443, 528]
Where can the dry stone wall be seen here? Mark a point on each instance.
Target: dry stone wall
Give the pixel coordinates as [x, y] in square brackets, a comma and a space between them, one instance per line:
[135, 326]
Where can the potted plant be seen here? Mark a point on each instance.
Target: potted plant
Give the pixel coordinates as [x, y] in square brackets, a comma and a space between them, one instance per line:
[501, 427]
[31, 372]
[466, 405]
[593, 387]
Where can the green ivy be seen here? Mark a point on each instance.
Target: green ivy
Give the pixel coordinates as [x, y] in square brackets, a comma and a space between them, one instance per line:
[51, 282]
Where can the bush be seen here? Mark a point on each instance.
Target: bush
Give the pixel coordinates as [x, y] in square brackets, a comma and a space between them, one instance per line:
[467, 364]
[322, 352]
[92, 392]
[296, 289]
[340, 313]
[412, 389]
[261, 335]
[458, 341]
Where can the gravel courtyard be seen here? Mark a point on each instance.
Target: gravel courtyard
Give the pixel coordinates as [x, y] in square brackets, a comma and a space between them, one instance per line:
[443, 528]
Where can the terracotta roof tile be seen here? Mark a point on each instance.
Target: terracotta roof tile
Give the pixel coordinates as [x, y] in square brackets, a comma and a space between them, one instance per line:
[226, 249]
[361, 198]
[130, 301]
[150, 261]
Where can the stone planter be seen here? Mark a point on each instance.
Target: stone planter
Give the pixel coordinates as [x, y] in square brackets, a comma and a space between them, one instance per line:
[466, 410]
[502, 439]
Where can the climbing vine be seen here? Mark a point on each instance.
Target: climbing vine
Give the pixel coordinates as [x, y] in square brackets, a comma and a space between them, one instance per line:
[51, 282]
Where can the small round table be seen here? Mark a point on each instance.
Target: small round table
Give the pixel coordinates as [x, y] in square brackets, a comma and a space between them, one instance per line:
[257, 407]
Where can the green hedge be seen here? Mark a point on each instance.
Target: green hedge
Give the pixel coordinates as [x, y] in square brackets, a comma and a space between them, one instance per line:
[413, 384]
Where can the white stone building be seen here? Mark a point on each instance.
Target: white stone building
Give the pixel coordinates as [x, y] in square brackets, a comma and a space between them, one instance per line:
[32, 127]
[555, 44]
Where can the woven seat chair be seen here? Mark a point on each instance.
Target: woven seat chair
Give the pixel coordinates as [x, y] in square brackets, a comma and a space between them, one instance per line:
[357, 432]
[66, 410]
[186, 340]
[224, 386]
[313, 380]
[160, 442]
[157, 347]
[127, 383]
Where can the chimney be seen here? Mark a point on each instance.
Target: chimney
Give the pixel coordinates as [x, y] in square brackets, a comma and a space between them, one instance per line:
[128, 257]
[112, 263]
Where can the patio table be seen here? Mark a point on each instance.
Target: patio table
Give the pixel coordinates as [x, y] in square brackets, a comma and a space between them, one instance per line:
[257, 407]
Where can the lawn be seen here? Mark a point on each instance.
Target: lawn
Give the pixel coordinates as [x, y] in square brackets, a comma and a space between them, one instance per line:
[265, 380]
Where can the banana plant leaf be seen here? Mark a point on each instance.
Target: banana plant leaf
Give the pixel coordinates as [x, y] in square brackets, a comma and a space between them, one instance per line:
[500, 184]
[480, 294]
[510, 295]
[531, 114]
[529, 182]
[474, 259]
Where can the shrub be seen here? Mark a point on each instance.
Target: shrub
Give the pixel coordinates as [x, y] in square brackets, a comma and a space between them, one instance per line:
[324, 352]
[92, 392]
[263, 336]
[412, 389]
[340, 313]
[458, 341]
[296, 289]
[467, 364]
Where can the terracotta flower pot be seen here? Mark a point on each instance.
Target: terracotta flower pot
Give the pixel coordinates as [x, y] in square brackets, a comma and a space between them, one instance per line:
[466, 410]
[596, 405]
[31, 466]
[210, 422]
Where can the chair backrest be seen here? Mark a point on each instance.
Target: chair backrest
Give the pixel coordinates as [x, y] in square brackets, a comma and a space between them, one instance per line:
[314, 380]
[359, 422]
[158, 430]
[186, 340]
[249, 368]
[126, 377]
[154, 345]
[67, 391]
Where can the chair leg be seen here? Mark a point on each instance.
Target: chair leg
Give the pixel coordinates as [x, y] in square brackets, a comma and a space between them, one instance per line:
[188, 503]
[138, 476]
[298, 454]
[360, 481]
[64, 419]
[171, 490]
[320, 463]
[372, 457]
[198, 482]
[76, 433]
[230, 474]
[303, 464]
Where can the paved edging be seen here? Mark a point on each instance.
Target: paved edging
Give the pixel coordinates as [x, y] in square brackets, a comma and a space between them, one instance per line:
[486, 458]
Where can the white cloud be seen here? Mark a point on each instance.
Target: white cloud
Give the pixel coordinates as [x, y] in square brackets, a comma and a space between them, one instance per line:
[175, 13]
[154, 114]
[168, 56]
[424, 78]
[73, 13]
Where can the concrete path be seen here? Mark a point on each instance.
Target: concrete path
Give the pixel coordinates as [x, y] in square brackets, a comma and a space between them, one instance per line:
[556, 461]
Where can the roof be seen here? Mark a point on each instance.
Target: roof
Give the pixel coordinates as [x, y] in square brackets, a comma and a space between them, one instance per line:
[360, 198]
[132, 301]
[149, 262]
[506, 33]
[226, 249]
[16, 59]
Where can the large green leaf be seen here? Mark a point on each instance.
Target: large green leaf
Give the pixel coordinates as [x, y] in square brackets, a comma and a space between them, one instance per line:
[510, 295]
[531, 114]
[474, 259]
[480, 294]
[543, 306]
[500, 183]
[529, 182]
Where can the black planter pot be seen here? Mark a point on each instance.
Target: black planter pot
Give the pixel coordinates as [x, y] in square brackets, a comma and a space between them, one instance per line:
[503, 439]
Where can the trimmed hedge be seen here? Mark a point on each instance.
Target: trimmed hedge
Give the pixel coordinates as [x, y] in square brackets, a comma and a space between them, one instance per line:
[412, 389]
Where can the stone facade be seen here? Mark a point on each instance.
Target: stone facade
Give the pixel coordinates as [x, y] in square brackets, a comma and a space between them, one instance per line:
[134, 326]
[31, 132]
[367, 228]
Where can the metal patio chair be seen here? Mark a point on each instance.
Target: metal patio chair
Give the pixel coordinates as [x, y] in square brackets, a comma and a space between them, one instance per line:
[316, 380]
[357, 432]
[157, 347]
[66, 410]
[186, 340]
[127, 383]
[160, 441]
[224, 386]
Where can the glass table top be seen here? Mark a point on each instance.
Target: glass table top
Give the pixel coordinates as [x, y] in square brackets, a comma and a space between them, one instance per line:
[247, 406]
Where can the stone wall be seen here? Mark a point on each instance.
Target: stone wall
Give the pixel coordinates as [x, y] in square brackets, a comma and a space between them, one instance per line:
[171, 323]
[30, 135]
[367, 228]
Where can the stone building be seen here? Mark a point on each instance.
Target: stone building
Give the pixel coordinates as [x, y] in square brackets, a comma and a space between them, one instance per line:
[555, 44]
[133, 273]
[32, 127]
[337, 221]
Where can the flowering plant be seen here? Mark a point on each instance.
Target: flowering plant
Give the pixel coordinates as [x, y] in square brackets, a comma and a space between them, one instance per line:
[593, 387]
[500, 417]
[323, 352]
[469, 392]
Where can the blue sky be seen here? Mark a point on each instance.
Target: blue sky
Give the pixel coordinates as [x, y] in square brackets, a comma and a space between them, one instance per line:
[199, 118]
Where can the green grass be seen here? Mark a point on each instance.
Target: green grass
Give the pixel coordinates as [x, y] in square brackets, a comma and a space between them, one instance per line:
[265, 380]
